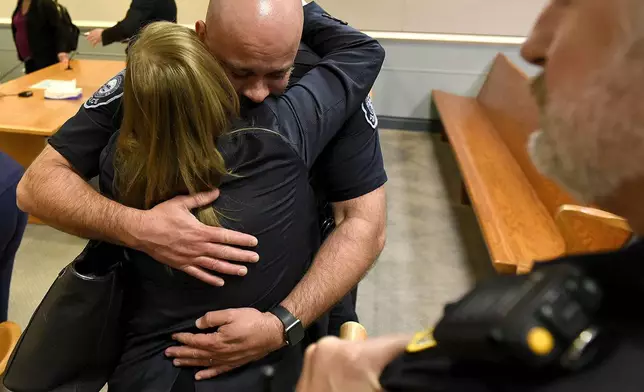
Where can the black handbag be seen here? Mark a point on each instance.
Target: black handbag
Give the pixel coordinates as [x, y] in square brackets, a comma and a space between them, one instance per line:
[74, 339]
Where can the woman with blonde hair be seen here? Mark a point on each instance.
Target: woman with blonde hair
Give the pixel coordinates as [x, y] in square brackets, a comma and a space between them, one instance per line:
[180, 135]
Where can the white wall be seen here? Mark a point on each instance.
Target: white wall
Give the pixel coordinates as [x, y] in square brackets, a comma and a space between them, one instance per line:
[487, 17]
[412, 69]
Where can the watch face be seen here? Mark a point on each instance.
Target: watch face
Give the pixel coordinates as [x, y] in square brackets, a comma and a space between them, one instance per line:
[295, 333]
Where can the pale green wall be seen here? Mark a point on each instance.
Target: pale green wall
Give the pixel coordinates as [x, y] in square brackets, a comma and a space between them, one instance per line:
[411, 71]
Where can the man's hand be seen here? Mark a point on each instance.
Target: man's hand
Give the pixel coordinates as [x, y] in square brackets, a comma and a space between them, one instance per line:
[243, 336]
[63, 59]
[333, 365]
[95, 37]
[172, 235]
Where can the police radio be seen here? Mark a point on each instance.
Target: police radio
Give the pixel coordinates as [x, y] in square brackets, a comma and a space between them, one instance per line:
[542, 320]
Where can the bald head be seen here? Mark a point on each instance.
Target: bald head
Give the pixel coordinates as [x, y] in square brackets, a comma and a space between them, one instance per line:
[256, 40]
[253, 14]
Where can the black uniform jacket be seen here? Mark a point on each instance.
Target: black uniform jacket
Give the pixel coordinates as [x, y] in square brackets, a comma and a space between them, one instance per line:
[620, 274]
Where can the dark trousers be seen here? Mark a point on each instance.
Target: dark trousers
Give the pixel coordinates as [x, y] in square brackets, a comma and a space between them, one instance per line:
[12, 227]
[251, 378]
[32, 65]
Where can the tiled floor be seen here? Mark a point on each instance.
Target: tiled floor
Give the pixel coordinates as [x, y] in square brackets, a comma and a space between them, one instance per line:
[434, 248]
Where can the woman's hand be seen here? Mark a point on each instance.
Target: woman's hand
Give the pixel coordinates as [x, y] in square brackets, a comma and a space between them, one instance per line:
[95, 37]
[63, 59]
[243, 336]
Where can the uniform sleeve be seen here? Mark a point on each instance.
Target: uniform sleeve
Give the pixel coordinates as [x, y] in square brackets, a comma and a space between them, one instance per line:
[351, 165]
[139, 12]
[83, 137]
[435, 371]
[314, 109]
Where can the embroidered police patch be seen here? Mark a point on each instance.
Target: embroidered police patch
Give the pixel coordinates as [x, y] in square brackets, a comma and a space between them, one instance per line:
[370, 113]
[108, 93]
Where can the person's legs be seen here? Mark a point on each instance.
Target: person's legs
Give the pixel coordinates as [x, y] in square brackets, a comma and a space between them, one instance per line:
[12, 227]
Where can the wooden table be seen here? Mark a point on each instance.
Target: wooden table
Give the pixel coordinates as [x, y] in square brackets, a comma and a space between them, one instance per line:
[26, 123]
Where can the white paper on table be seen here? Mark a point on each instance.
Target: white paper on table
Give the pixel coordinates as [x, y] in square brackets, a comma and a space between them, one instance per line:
[63, 90]
[56, 84]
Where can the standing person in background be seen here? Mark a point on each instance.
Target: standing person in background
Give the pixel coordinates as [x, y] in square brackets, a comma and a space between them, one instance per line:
[140, 14]
[37, 33]
[12, 226]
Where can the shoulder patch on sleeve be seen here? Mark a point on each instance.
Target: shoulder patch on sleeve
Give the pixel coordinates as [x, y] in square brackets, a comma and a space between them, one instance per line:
[370, 113]
[110, 91]
[422, 341]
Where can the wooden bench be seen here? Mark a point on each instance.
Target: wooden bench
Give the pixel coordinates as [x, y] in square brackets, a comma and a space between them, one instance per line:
[520, 212]
[587, 229]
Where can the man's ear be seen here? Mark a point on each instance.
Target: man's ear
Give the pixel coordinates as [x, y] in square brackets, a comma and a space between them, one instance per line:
[200, 28]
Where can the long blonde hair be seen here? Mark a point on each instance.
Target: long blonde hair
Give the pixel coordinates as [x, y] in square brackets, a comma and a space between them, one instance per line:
[177, 101]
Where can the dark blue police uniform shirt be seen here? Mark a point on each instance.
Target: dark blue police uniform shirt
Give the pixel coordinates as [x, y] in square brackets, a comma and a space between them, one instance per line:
[271, 197]
[351, 165]
[621, 276]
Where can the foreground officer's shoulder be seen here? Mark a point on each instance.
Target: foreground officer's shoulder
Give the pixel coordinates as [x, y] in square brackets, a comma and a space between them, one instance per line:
[109, 93]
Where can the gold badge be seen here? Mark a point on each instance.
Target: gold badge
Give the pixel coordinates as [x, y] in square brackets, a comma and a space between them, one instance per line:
[421, 341]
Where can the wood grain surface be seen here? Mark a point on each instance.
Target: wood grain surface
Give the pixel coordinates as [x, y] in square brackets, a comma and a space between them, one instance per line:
[524, 216]
[41, 117]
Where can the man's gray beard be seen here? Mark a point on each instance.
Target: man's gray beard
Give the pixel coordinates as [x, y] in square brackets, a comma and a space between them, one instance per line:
[576, 181]
[594, 143]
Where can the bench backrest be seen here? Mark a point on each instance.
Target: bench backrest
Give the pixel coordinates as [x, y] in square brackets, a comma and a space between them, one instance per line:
[510, 106]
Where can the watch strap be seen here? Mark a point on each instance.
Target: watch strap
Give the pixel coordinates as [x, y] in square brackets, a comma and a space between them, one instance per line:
[290, 322]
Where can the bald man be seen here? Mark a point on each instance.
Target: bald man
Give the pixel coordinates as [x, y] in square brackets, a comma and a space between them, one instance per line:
[258, 42]
[353, 172]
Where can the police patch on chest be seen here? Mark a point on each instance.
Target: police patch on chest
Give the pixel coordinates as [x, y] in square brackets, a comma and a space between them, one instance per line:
[110, 91]
[370, 113]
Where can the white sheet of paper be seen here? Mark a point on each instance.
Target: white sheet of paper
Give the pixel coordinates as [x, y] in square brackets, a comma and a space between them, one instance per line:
[55, 84]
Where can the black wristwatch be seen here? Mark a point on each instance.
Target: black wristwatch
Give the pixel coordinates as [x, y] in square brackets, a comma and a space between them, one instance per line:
[293, 329]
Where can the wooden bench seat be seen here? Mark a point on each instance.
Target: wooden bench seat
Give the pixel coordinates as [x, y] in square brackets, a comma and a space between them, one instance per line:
[509, 212]
[521, 213]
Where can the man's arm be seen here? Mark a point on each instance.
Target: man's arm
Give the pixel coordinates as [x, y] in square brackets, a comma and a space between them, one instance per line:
[312, 111]
[138, 13]
[52, 191]
[344, 258]
[60, 189]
